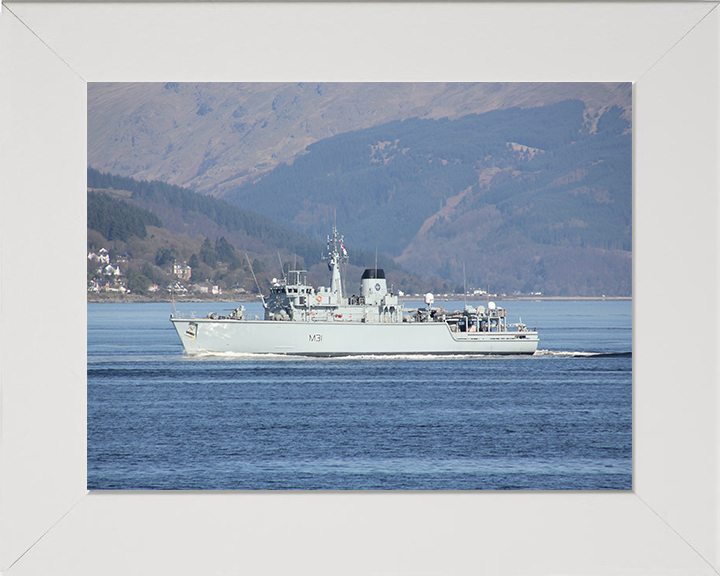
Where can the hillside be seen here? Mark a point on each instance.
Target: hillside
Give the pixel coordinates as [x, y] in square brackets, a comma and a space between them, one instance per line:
[155, 225]
[533, 200]
[212, 137]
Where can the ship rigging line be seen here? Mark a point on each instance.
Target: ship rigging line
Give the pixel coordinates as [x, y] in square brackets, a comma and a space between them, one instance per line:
[282, 268]
[256, 282]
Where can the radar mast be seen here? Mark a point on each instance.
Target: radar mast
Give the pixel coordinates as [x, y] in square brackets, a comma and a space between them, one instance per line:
[336, 253]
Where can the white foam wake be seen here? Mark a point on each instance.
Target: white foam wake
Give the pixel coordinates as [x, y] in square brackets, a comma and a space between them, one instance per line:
[563, 353]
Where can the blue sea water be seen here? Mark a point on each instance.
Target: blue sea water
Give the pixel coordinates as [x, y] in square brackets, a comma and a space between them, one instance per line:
[558, 420]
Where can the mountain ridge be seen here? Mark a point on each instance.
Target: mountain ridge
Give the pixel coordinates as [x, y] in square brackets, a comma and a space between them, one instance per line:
[212, 137]
[483, 190]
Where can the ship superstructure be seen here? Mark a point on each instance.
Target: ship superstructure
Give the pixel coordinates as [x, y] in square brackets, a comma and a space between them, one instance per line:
[300, 319]
[295, 300]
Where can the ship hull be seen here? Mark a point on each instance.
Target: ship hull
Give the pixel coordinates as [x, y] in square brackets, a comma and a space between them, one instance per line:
[203, 335]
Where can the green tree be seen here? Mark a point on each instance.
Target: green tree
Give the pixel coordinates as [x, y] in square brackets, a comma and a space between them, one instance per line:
[207, 253]
[150, 273]
[165, 255]
[194, 263]
[138, 283]
[224, 250]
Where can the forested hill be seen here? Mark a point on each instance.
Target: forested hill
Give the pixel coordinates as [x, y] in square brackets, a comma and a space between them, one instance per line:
[535, 199]
[182, 210]
[116, 219]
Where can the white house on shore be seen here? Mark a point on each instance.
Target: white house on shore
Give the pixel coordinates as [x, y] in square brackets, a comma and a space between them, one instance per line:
[207, 289]
[182, 271]
[102, 257]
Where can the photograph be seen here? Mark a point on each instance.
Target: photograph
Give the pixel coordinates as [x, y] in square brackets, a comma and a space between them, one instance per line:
[359, 286]
[461, 174]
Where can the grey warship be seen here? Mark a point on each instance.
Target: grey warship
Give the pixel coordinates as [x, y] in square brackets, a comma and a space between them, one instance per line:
[302, 320]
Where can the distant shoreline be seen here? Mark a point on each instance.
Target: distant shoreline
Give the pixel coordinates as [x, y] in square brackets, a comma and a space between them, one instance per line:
[460, 297]
[137, 299]
[531, 298]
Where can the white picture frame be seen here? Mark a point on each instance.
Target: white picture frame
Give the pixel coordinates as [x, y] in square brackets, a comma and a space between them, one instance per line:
[668, 524]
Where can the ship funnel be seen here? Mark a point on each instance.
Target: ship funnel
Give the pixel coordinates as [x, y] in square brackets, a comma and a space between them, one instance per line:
[373, 286]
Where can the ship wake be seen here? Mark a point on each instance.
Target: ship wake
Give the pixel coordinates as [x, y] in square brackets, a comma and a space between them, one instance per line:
[577, 354]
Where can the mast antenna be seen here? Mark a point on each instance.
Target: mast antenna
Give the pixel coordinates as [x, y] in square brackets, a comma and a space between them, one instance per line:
[344, 261]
